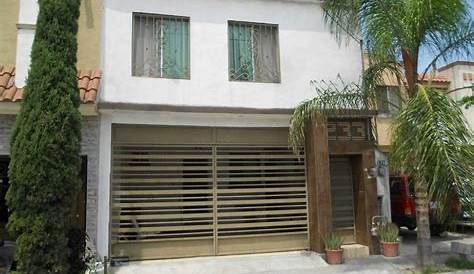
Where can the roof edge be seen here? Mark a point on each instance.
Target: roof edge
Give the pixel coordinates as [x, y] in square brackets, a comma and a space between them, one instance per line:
[456, 63]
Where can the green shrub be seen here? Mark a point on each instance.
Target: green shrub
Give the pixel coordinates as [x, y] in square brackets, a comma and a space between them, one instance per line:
[333, 241]
[388, 233]
[460, 263]
[45, 146]
[432, 269]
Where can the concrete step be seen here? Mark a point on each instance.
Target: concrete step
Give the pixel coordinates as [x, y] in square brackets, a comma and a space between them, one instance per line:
[352, 251]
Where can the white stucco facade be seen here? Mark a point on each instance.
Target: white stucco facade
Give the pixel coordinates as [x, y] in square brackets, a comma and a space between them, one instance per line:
[456, 74]
[383, 184]
[26, 33]
[307, 52]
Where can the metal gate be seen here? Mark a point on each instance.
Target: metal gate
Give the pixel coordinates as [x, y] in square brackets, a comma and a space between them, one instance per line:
[182, 200]
[342, 190]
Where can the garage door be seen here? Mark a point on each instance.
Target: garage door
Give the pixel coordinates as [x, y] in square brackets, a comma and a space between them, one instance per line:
[181, 192]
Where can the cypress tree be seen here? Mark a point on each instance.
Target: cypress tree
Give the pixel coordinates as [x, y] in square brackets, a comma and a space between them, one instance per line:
[45, 145]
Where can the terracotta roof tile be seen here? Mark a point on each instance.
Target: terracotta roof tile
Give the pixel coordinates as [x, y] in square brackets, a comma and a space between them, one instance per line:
[7, 78]
[88, 82]
[18, 95]
[437, 78]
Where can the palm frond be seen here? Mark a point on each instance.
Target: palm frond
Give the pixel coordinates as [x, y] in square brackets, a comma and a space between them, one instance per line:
[431, 143]
[378, 73]
[468, 101]
[342, 17]
[383, 25]
[451, 43]
[332, 98]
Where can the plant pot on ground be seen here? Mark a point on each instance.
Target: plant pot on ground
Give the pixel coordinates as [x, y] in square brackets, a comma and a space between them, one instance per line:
[388, 235]
[333, 243]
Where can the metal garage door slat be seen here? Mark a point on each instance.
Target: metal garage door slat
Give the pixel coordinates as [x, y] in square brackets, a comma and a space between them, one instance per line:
[262, 212]
[165, 216]
[162, 180]
[160, 192]
[264, 188]
[264, 179]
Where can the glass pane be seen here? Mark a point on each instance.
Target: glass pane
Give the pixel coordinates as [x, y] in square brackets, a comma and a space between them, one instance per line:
[265, 54]
[382, 99]
[240, 52]
[175, 48]
[394, 99]
[146, 46]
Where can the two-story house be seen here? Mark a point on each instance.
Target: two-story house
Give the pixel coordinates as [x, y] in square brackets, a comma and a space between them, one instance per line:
[194, 112]
[187, 141]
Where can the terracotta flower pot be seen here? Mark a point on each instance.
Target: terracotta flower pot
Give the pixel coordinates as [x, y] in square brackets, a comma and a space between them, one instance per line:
[390, 249]
[334, 256]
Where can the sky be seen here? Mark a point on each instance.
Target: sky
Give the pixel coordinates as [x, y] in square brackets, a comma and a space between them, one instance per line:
[426, 57]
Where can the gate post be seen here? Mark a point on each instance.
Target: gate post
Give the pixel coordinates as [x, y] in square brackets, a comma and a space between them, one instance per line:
[318, 181]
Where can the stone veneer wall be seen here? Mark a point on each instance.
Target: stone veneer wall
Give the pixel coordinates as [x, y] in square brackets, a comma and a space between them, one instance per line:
[90, 147]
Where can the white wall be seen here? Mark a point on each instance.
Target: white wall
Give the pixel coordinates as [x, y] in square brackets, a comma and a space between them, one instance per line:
[455, 75]
[26, 20]
[307, 52]
[383, 184]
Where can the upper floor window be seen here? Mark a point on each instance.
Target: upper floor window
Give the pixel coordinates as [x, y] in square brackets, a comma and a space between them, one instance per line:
[253, 52]
[468, 79]
[388, 99]
[160, 46]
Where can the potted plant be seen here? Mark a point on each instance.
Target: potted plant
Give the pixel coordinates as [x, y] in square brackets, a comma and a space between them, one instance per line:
[333, 243]
[388, 235]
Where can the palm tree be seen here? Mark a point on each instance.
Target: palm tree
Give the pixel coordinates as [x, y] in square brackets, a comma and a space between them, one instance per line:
[430, 136]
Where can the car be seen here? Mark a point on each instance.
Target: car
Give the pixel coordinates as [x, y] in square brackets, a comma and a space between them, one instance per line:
[402, 196]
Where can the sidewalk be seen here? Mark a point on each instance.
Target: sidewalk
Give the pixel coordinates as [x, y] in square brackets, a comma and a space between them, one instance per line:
[300, 262]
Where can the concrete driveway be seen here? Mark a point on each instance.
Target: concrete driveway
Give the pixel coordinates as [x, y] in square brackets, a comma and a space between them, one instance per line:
[300, 262]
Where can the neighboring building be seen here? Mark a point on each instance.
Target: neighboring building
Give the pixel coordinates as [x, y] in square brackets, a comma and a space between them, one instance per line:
[389, 99]
[192, 120]
[17, 28]
[389, 102]
[461, 76]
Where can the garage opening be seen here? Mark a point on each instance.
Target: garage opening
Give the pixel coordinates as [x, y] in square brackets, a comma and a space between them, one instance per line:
[182, 192]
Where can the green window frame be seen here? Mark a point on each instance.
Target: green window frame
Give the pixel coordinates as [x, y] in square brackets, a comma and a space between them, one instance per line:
[253, 52]
[160, 46]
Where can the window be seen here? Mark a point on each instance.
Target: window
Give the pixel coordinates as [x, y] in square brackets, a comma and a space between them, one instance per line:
[388, 99]
[160, 46]
[253, 52]
[395, 187]
[468, 79]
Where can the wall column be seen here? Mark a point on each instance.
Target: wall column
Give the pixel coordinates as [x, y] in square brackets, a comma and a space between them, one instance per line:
[319, 185]
[365, 194]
